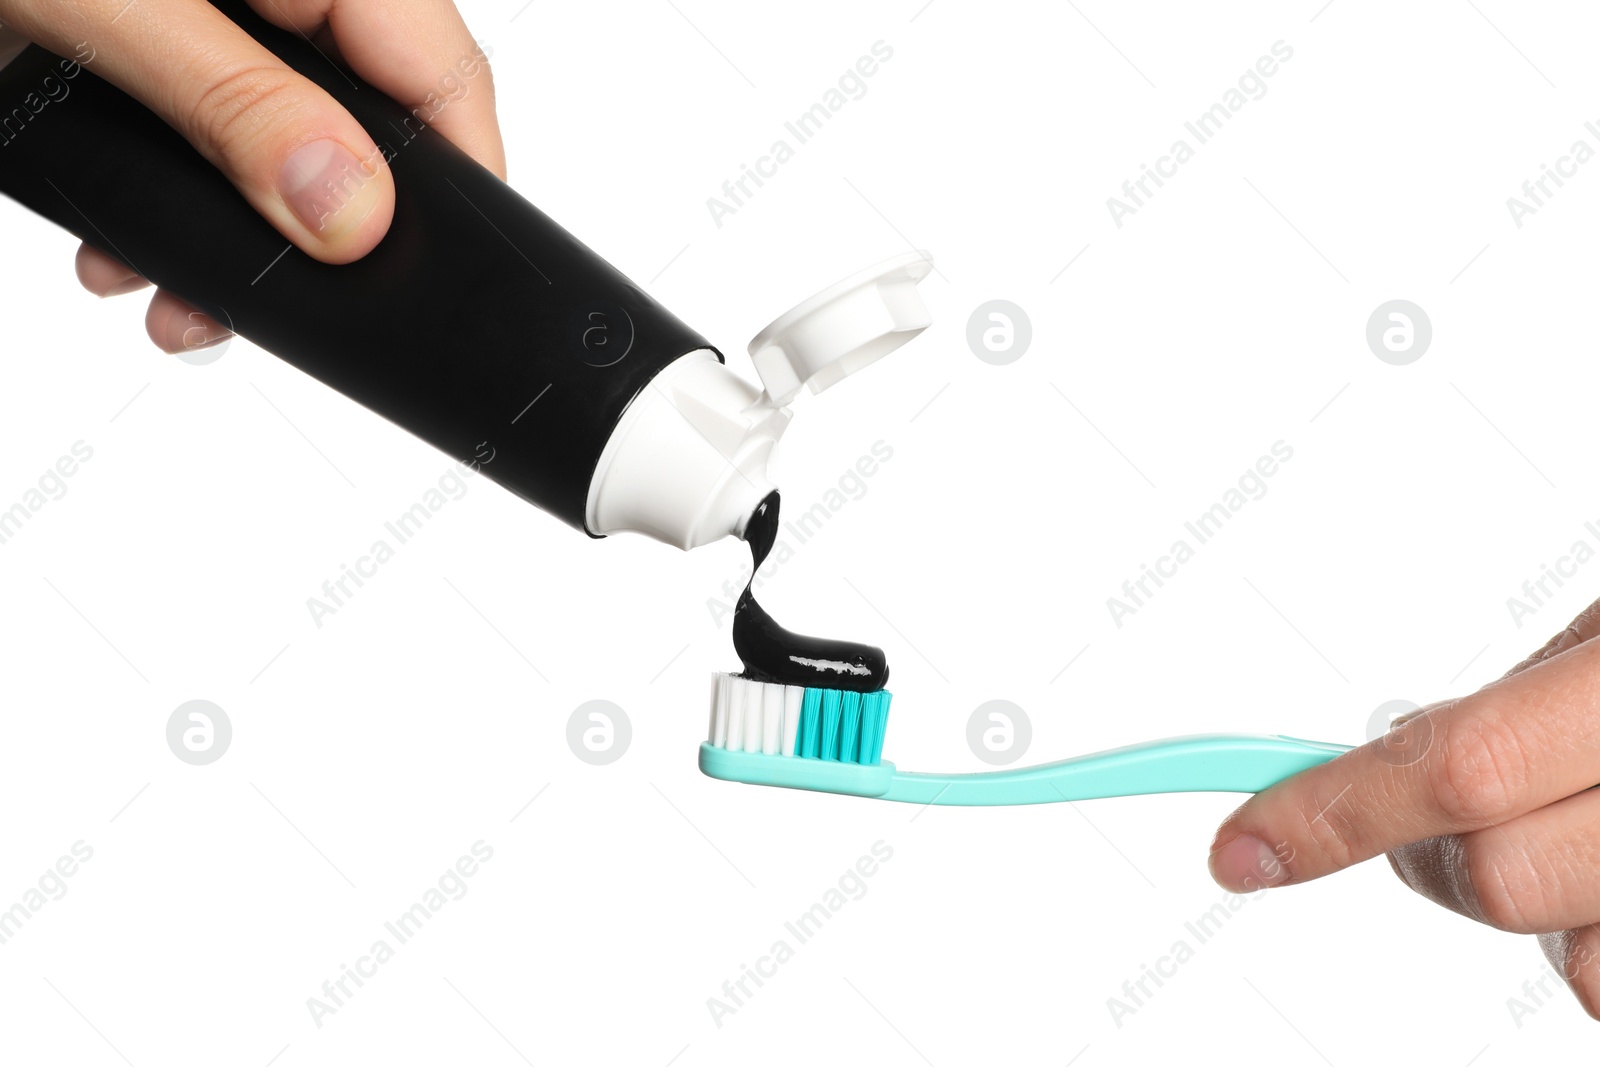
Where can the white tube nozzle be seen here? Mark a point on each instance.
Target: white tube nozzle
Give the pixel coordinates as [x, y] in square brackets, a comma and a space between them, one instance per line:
[687, 463]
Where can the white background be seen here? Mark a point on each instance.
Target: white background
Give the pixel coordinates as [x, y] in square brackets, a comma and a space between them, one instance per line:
[1226, 315]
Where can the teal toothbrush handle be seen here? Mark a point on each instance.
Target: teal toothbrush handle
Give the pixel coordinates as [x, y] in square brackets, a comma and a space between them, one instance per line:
[1205, 763]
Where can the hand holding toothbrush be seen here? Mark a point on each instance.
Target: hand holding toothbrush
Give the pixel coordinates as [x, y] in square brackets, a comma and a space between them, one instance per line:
[1484, 804]
[294, 153]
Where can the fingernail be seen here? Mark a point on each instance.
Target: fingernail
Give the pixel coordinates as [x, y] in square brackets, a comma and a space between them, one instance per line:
[328, 188]
[204, 334]
[186, 330]
[127, 285]
[1246, 864]
[1569, 638]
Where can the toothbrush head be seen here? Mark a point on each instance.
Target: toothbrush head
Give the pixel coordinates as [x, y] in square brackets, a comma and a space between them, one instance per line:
[800, 737]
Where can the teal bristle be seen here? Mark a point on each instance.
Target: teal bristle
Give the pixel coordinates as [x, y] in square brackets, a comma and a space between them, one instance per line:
[842, 726]
[831, 703]
[874, 718]
[810, 735]
[850, 728]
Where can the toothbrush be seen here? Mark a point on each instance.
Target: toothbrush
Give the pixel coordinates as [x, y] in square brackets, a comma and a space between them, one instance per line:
[831, 741]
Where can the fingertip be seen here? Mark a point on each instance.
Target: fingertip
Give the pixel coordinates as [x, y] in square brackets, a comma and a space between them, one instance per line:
[491, 151]
[176, 326]
[497, 164]
[1586, 998]
[340, 201]
[1245, 863]
[1575, 956]
[103, 275]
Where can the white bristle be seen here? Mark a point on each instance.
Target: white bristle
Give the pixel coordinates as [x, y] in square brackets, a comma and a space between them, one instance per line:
[793, 696]
[754, 705]
[735, 738]
[750, 716]
[718, 732]
[771, 718]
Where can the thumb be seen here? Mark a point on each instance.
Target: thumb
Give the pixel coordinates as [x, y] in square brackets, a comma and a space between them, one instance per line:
[295, 154]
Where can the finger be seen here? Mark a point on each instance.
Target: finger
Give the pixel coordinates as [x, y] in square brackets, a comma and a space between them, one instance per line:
[298, 157]
[1509, 749]
[11, 44]
[178, 327]
[1581, 629]
[418, 51]
[104, 276]
[1575, 954]
[1532, 875]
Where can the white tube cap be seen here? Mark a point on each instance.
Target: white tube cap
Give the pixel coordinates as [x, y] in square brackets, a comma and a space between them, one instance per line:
[844, 328]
